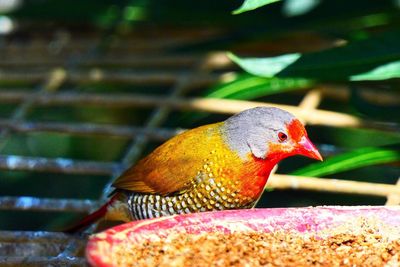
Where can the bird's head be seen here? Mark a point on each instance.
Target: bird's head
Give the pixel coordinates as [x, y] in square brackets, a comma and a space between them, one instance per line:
[268, 133]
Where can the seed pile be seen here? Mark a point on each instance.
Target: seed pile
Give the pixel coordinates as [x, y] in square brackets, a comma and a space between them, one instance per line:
[262, 249]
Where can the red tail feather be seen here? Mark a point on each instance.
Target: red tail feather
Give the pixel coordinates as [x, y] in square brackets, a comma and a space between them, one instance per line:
[90, 219]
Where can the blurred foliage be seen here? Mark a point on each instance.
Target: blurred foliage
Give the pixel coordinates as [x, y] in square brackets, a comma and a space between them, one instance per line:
[286, 47]
[373, 57]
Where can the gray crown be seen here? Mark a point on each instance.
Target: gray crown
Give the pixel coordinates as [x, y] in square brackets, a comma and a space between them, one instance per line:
[251, 130]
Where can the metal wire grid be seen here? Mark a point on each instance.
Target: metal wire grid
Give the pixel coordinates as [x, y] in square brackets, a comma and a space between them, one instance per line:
[53, 248]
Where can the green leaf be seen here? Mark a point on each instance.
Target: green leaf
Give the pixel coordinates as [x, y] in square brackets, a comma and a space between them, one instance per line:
[250, 87]
[265, 67]
[376, 58]
[253, 4]
[299, 7]
[387, 71]
[358, 158]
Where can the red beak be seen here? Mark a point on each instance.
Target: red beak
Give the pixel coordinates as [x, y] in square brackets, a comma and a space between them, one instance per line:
[306, 148]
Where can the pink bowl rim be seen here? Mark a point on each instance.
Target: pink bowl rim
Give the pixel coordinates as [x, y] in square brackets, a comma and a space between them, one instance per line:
[299, 219]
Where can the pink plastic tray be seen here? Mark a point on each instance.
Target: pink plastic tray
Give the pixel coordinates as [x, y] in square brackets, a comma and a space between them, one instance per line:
[100, 246]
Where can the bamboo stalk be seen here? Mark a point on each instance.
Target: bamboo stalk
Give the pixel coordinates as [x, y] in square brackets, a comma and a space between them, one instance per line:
[56, 165]
[37, 237]
[46, 204]
[96, 75]
[277, 181]
[393, 199]
[284, 182]
[311, 100]
[41, 261]
[159, 134]
[223, 106]
[213, 60]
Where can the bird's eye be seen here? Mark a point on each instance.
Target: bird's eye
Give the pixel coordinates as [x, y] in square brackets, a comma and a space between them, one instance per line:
[282, 137]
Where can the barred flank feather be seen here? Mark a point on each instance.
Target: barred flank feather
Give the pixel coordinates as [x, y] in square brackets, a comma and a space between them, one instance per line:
[204, 197]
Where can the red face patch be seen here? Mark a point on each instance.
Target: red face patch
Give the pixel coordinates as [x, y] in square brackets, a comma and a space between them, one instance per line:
[296, 130]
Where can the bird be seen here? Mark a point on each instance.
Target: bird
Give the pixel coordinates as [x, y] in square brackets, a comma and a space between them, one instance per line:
[218, 166]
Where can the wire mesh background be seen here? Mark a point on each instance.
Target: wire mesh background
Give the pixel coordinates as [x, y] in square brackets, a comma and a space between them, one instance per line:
[52, 66]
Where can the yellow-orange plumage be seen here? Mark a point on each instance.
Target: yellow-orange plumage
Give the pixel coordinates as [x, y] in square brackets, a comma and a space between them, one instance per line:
[173, 167]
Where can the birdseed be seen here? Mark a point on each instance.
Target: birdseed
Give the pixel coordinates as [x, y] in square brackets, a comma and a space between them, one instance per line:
[369, 248]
